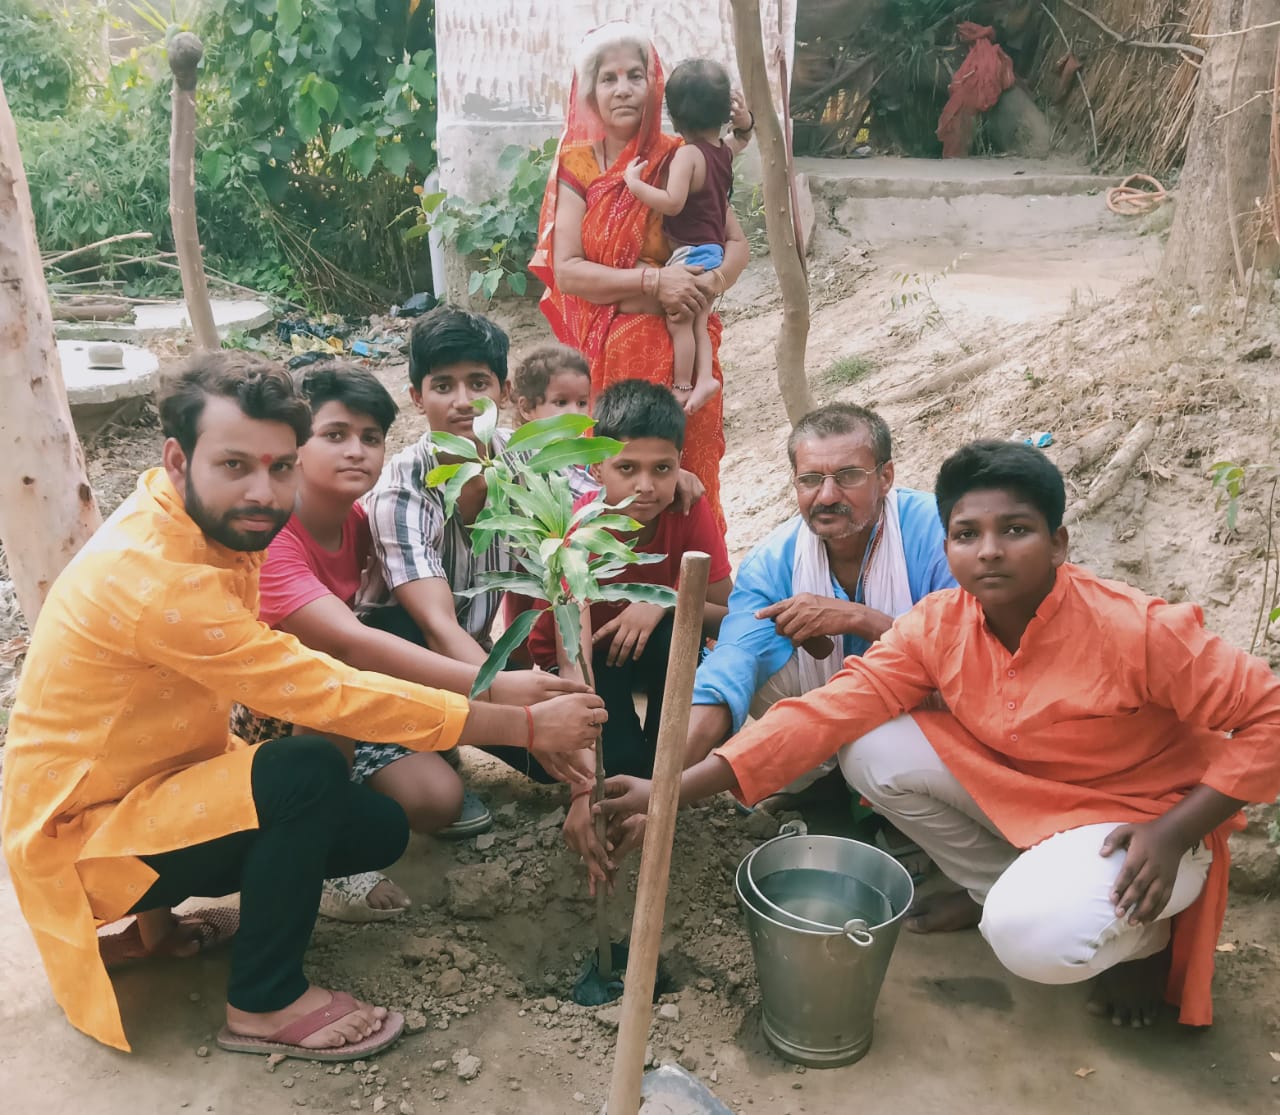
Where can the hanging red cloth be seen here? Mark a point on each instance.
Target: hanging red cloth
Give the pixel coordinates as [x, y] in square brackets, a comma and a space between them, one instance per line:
[982, 77]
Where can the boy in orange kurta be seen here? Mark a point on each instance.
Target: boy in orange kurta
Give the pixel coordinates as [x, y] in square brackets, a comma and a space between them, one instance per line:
[1098, 747]
[124, 792]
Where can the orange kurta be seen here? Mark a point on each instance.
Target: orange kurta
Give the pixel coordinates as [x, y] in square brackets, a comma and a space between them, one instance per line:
[118, 745]
[1114, 706]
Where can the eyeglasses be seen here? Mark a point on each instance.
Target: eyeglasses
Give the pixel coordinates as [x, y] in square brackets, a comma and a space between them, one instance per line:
[846, 478]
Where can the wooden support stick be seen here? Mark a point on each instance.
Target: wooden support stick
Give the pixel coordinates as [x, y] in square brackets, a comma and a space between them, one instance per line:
[1116, 471]
[185, 52]
[655, 859]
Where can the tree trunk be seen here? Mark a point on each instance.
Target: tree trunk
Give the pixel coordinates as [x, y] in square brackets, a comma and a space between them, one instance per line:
[778, 216]
[1216, 225]
[185, 52]
[47, 509]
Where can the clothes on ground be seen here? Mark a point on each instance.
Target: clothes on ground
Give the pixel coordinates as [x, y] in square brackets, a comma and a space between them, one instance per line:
[313, 824]
[1047, 912]
[414, 541]
[749, 651]
[675, 535]
[118, 745]
[1115, 705]
[702, 220]
[620, 231]
[298, 570]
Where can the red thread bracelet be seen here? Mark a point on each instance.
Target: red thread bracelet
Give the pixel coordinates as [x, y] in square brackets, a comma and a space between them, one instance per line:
[528, 715]
[580, 793]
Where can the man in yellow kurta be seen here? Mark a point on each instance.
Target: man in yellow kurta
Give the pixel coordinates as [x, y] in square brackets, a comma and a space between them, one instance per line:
[123, 790]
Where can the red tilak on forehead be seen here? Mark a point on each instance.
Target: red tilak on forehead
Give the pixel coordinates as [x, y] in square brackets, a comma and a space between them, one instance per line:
[266, 459]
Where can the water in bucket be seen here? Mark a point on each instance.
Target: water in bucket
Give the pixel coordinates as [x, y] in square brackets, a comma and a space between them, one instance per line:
[826, 897]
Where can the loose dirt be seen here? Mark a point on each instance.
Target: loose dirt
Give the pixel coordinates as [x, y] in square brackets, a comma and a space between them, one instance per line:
[1083, 343]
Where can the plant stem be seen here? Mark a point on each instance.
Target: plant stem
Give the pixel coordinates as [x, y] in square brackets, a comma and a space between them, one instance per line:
[604, 943]
[1266, 566]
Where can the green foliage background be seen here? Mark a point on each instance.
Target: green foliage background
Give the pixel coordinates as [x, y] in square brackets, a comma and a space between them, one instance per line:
[315, 117]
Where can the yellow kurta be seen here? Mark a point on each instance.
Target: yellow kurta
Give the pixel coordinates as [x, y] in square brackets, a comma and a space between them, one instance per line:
[118, 745]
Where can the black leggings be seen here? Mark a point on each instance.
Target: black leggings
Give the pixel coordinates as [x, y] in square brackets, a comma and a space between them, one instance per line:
[314, 824]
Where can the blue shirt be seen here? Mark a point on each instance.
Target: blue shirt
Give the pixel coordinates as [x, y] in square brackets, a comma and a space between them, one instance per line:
[749, 651]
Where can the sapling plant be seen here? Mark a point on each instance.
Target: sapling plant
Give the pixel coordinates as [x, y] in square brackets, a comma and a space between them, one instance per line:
[560, 555]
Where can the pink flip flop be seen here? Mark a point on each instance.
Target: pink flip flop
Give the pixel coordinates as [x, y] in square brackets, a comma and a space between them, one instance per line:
[287, 1039]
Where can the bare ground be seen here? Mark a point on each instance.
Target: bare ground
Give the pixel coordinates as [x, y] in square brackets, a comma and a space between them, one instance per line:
[1085, 341]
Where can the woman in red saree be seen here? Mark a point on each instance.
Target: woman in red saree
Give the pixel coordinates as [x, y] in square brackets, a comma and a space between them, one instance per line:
[600, 251]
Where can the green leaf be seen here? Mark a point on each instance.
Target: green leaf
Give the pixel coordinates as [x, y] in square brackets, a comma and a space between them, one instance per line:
[325, 94]
[454, 446]
[306, 117]
[350, 40]
[486, 421]
[578, 575]
[342, 139]
[513, 637]
[576, 451]
[476, 282]
[492, 278]
[454, 485]
[638, 594]
[540, 507]
[259, 42]
[541, 432]
[241, 24]
[395, 157]
[440, 474]
[569, 628]
[518, 282]
[363, 154]
[288, 16]
[624, 524]
[507, 582]
[597, 541]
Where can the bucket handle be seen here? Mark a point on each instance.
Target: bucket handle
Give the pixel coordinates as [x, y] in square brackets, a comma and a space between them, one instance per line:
[855, 929]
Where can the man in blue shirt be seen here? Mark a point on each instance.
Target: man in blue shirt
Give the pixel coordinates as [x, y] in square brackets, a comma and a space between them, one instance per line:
[824, 585]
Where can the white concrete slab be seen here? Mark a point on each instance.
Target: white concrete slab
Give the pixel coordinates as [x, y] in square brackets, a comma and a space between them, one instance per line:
[88, 386]
[168, 319]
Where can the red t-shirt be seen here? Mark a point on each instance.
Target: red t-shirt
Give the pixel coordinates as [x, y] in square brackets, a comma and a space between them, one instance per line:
[676, 535]
[299, 570]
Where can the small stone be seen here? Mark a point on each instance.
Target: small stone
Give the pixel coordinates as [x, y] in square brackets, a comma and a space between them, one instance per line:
[552, 820]
[669, 1012]
[450, 982]
[578, 1097]
[202, 1051]
[406, 1108]
[608, 1017]
[439, 1094]
[485, 841]
[513, 1084]
[705, 984]
[524, 842]
[733, 979]
[287, 1082]
[480, 890]
[415, 1021]
[354, 1105]
[550, 1004]
[194, 996]
[360, 1066]
[106, 356]
[378, 1104]
[648, 1056]
[507, 812]
[797, 1085]
[548, 838]
[463, 958]
[468, 1067]
[714, 1077]
[439, 1066]
[688, 1060]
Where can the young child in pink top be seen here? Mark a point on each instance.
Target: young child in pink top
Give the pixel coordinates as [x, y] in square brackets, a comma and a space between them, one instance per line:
[695, 203]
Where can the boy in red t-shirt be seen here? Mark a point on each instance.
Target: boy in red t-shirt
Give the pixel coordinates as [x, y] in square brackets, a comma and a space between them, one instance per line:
[632, 641]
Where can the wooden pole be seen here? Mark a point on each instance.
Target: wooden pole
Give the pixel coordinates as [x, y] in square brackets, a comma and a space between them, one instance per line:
[47, 508]
[185, 52]
[779, 220]
[655, 859]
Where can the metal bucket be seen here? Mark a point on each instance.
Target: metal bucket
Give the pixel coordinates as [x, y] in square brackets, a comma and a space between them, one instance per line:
[823, 913]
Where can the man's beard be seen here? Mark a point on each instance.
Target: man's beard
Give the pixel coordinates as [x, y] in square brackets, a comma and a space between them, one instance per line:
[220, 530]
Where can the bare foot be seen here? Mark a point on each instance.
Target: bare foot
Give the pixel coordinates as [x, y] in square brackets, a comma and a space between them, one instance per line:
[1131, 994]
[388, 896]
[704, 390]
[944, 913]
[350, 1028]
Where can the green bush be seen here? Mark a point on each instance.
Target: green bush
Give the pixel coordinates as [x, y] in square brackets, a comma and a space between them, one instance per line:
[41, 65]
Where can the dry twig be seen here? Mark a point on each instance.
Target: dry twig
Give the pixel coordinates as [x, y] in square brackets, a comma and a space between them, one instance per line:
[1116, 471]
[54, 260]
[1093, 124]
[1120, 39]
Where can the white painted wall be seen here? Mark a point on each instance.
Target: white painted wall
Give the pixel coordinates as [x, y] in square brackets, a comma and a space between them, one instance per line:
[505, 67]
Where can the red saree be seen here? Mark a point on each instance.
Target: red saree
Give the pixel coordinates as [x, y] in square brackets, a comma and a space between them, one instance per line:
[619, 231]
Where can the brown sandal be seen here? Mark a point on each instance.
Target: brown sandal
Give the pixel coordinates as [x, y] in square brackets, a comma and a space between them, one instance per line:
[287, 1040]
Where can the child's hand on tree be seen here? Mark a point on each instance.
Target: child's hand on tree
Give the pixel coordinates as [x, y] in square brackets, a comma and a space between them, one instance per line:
[579, 833]
[633, 172]
[740, 115]
[530, 687]
[562, 728]
[630, 631]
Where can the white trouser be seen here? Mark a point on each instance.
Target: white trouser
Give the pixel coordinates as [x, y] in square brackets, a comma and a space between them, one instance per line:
[786, 683]
[1047, 912]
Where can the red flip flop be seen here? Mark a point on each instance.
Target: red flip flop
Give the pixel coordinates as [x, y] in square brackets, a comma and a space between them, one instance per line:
[214, 926]
[287, 1039]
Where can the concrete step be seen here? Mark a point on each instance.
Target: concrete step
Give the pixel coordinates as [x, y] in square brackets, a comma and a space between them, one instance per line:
[885, 177]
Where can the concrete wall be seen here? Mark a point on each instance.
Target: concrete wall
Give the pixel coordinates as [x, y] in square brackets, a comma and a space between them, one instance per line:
[505, 67]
